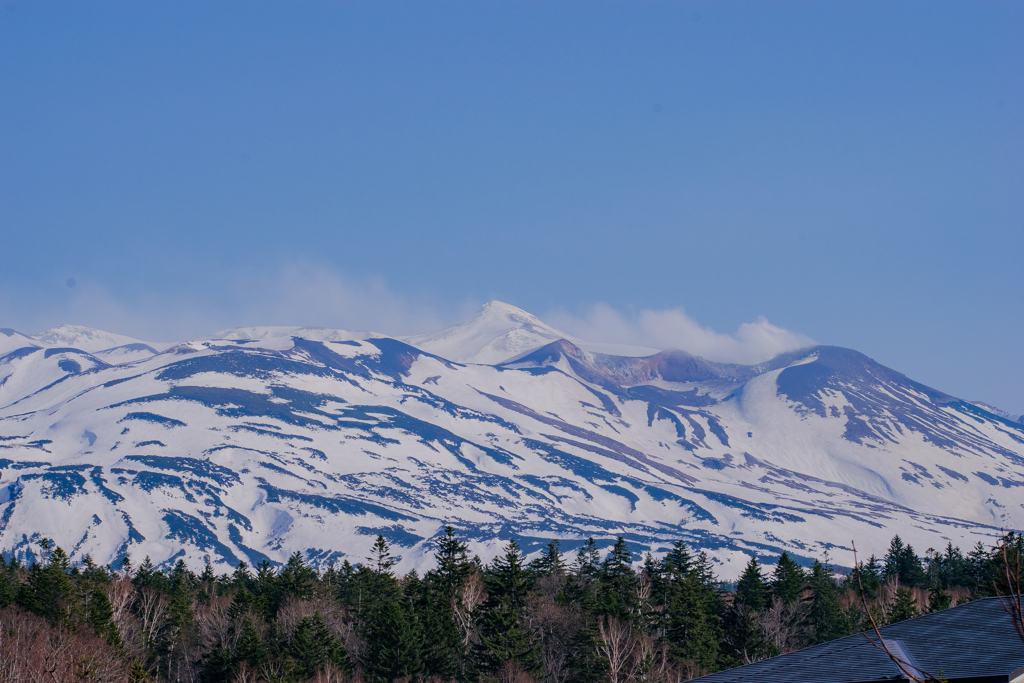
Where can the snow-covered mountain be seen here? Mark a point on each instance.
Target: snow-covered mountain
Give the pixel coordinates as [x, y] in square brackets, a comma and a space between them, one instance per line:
[12, 340]
[263, 441]
[112, 348]
[1001, 413]
[83, 338]
[287, 333]
[498, 332]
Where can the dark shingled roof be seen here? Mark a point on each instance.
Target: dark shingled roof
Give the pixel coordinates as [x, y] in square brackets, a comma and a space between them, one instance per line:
[974, 642]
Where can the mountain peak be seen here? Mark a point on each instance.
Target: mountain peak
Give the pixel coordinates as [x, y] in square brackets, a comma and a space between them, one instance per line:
[496, 332]
[496, 307]
[83, 338]
[499, 332]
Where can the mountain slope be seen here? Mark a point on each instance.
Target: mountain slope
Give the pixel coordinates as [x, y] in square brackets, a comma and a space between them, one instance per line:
[232, 449]
[82, 338]
[499, 331]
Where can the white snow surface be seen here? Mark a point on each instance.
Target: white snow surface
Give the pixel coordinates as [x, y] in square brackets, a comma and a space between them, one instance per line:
[262, 441]
[84, 338]
[1001, 413]
[12, 340]
[500, 331]
[278, 332]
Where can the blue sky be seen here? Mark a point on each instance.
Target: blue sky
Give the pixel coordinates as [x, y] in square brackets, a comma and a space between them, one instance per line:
[852, 172]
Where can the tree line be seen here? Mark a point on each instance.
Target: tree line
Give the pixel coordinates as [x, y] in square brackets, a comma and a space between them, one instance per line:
[581, 618]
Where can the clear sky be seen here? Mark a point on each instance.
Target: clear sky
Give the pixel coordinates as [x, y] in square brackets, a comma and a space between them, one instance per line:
[852, 171]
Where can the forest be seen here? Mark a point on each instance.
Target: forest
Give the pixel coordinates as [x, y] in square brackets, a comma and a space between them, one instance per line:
[576, 617]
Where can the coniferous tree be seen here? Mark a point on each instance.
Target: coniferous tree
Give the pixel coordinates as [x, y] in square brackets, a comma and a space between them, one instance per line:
[434, 603]
[588, 561]
[788, 579]
[394, 640]
[903, 563]
[870, 577]
[242, 577]
[147, 576]
[101, 617]
[442, 642]
[295, 580]
[980, 570]
[752, 589]
[617, 596]
[550, 562]
[826, 618]
[579, 592]
[249, 647]
[8, 587]
[904, 607]
[742, 631]
[694, 621]
[955, 568]
[938, 598]
[49, 585]
[503, 638]
[313, 645]
[452, 564]
[347, 585]
[181, 586]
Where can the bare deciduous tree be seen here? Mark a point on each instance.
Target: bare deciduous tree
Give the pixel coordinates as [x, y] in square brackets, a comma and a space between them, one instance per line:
[471, 594]
[151, 610]
[33, 651]
[616, 644]
[779, 625]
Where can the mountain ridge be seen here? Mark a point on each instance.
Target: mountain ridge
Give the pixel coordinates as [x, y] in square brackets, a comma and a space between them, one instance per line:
[239, 448]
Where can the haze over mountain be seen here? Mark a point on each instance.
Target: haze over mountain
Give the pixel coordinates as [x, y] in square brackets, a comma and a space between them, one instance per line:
[257, 442]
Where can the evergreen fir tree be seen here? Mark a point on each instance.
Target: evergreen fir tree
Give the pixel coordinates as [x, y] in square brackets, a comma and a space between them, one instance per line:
[826, 618]
[956, 570]
[347, 585]
[442, 641]
[742, 631]
[938, 598]
[503, 639]
[8, 588]
[677, 562]
[215, 666]
[452, 565]
[870, 577]
[242, 578]
[583, 664]
[788, 580]
[904, 607]
[313, 645]
[146, 575]
[49, 585]
[617, 596]
[249, 647]
[266, 590]
[295, 579]
[588, 561]
[394, 639]
[179, 608]
[693, 615]
[550, 561]
[902, 562]
[101, 617]
[752, 590]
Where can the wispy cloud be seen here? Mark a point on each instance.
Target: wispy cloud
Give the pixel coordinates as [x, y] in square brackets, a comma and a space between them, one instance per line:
[299, 294]
[302, 294]
[753, 342]
[309, 294]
